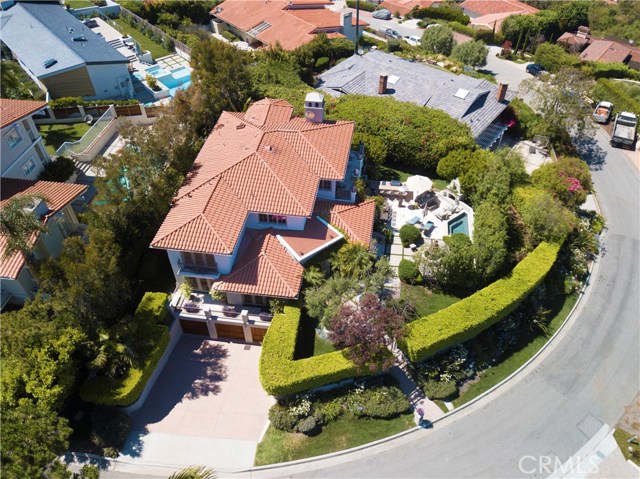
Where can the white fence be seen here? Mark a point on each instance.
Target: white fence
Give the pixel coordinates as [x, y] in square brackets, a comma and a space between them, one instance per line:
[101, 131]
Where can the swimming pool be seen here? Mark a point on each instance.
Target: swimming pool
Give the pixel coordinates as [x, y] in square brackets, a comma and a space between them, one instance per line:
[174, 80]
[459, 224]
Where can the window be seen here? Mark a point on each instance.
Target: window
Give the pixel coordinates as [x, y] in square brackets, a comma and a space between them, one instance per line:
[277, 219]
[325, 185]
[13, 137]
[28, 166]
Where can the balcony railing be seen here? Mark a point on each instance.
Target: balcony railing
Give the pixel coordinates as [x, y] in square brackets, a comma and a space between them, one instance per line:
[198, 270]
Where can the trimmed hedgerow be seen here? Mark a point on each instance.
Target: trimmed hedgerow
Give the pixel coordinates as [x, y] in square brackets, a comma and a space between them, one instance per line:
[467, 318]
[125, 391]
[606, 89]
[281, 374]
[152, 309]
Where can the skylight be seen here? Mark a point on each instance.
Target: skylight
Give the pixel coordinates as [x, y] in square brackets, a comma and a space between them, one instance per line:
[50, 62]
[461, 93]
[393, 79]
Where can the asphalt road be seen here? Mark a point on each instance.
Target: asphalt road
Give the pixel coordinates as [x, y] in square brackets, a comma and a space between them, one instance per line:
[580, 383]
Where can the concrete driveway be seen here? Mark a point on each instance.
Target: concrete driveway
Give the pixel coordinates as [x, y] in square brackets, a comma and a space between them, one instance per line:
[206, 408]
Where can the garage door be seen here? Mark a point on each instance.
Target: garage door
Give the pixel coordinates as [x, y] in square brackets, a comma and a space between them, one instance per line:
[230, 331]
[194, 327]
[258, 334]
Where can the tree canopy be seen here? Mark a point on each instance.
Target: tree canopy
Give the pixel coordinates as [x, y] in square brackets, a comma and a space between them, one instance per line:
[438, 40]
[472, 53]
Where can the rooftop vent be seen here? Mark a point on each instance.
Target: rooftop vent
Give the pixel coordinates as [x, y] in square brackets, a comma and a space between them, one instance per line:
[50, 62]
[461, 93]
[240, 126]
[79, 38]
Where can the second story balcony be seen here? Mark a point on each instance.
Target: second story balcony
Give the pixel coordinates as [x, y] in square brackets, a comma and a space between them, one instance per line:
[199, 271]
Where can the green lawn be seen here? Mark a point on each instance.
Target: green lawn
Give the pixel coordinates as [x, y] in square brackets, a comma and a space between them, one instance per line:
[560, 308]
[55, 135]
[344, 433]
[322, 346]
[157, 51]
[425, 301]
[80, 3]
[621, 436]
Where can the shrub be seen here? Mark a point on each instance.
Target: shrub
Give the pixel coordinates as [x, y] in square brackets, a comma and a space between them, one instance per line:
[307, 426]
[460, 28]
[439, 389]
[322, 64]
[77, 101]
[281, 374]
[229, 36]
[408, 271]
[366, 6]
[409, 234]
[90, 471]
[59, 170]
[152, 82]
[467, 318]
[553, 57]
[125, 391]
[282, 419]
[440, 13]
[152, 309]
[330, 410]
[528, 121]
[599, 70]
[109, 429]
[382, 402]
[394, 45]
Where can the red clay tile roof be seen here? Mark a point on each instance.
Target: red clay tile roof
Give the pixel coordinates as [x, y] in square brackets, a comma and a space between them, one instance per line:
[569, 38]
[487, 7]
[289, 27]
[606, 51]
[271, 166]
[14, 110]
[405, 6]
[315, 236]
[57, 196]
[265, 269]
[355, 220]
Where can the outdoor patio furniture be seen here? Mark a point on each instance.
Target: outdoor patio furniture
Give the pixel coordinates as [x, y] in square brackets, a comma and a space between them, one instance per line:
[191, 307]
[428, 226]
[265, 316]
[413, 220]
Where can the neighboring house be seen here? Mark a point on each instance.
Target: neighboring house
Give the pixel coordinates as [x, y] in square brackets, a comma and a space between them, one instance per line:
[257, 204]
[575, 42]
[17, 282]
[289, 23]
[473, 101]
[22, 153]
[62, 55]
[405, 6]
[491, 13]
[611, 51]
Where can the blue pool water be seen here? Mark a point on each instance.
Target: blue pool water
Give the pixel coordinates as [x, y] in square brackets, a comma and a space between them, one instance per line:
[460, 224]
[174, 80]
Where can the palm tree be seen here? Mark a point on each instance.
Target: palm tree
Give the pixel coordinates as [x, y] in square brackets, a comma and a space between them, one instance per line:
[18, 224]
[194, 472]
[353, 260]
[113, 356]
[313, 276]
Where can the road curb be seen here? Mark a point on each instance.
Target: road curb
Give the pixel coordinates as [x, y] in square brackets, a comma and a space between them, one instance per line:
[585, 290]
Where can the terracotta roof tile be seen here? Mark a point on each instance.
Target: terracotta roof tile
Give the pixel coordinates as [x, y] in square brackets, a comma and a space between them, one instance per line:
[355, 220]
[14, 110]
[265, 269]
[57, 196]
[264, 167]
[322, 18]
[487, 7]
[606, 51]
[405, 6]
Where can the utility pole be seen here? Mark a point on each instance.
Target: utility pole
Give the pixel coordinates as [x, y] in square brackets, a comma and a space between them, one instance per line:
[357, 25]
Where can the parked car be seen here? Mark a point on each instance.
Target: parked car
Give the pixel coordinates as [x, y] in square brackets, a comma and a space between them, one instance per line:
[412, 40]
[388, 33]
[602, 113]
[382, 14]
[535, 69]
[624, 131]
[434, 25]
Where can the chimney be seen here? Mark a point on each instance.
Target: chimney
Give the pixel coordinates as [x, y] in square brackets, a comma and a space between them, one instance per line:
[502, 91]
[314, 107]
[382, 84]
[348, 29]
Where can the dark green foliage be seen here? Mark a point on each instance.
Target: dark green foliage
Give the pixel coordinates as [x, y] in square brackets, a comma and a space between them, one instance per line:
[490, 241]
[438, 40]
[394, 45]
[59, 170]
[282, 419]
[109, 429]
[621, 19]
[568, 179]
[322, 64]
[409, 234]
[526, 32]
[465, 319]
[229, 36]
[77, 101]
[553, 57]
[609, 90]
[434, 389]
[598, 70]
[471, 53]
[528, 121]
[364, 5]
[383, 402]
[89, 471]
[415, 136]
[408, 271]
[440, 13]
[32, 437]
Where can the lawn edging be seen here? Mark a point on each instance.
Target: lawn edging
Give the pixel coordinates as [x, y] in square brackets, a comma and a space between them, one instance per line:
[593, 272]
[467, 318]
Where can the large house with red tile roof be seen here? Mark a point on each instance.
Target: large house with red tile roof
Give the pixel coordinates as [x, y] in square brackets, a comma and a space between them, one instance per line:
[267, 192]
[264, 23]
[490, 14]
[611, 51]
[17, 282]
[22, 152]
[402, 7]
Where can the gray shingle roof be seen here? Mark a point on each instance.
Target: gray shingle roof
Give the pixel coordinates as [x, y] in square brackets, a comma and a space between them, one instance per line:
[420, 84]
[37, 32]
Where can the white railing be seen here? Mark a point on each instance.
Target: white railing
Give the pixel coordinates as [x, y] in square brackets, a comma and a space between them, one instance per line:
[78, 149]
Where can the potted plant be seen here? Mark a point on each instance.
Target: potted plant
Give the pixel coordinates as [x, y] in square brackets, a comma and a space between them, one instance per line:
[218, 296]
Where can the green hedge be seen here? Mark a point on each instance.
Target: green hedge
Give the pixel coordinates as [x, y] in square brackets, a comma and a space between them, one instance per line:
[77, 101]
[126, 390]
[467, 318]
[281, 374]
[607, 90]
[152, 315]
[440, 13]
[610, 70]
[366, 6]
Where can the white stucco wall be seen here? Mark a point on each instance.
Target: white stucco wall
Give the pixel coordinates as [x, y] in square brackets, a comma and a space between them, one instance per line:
[13, 159]
[293, 223]
[105, 79]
